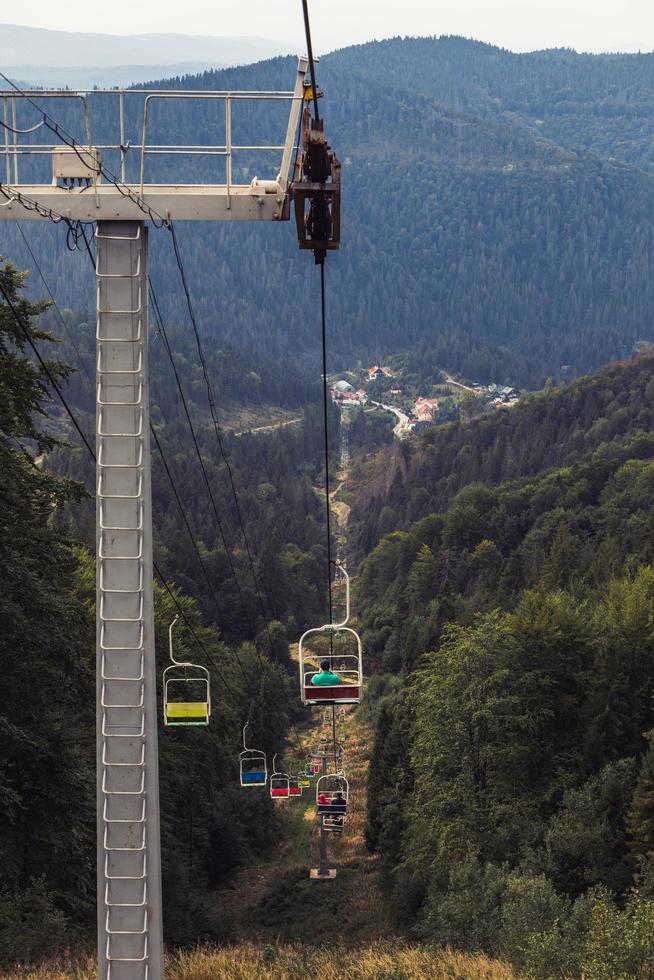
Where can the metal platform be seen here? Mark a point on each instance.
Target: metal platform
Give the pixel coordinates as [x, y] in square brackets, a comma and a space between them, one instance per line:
[115, 152]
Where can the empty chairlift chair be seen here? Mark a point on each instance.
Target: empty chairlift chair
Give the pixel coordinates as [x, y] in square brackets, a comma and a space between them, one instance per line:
[279, 783]
[341, 680]
[186, 691]
[332, 792]
[253, 765]
[294, 788]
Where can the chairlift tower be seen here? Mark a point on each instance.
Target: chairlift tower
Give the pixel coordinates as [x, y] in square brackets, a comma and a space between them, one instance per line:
[72, 181]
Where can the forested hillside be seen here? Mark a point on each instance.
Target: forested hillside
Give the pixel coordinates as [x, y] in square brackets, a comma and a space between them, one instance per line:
[500, 223]
[273, 476]
[47, 618]
[510, 795]
[609, 416]
[510, 194]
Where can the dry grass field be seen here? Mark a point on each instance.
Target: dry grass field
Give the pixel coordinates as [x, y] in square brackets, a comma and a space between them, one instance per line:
[283, 923]
[384, 961]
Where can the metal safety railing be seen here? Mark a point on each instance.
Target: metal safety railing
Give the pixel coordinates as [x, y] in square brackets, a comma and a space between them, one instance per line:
[117, 124]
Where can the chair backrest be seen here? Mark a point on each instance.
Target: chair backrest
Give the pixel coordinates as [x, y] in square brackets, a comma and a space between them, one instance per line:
[253, 767]
[187, 695]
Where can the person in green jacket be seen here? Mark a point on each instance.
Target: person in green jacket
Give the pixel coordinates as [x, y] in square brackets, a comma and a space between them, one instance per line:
[326, 676]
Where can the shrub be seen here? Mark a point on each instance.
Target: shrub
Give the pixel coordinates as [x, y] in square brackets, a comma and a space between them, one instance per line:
[30, 926]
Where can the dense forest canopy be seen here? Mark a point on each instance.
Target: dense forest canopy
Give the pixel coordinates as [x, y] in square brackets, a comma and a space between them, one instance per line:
[512, 589]
[500, 223]
[509, 194]
[47, 645]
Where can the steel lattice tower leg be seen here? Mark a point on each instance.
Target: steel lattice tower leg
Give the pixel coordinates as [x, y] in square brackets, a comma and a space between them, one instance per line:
[130, 944]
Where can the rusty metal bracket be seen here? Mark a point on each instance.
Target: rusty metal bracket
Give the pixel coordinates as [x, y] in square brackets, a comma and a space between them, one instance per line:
[316, 191]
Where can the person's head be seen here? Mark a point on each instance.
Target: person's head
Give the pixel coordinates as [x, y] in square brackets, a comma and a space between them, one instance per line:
[325, 664]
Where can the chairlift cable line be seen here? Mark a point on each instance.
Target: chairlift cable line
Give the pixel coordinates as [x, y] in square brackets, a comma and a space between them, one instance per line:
[218, 432]
[312, 67]
[90, 450]
[158, 220]
[69, 335]
[182, 511]
[312, 70]
[169, 352]
[326, 438]
[153, 432]
[168, 349]
[78, 229]
[72, 416]
[44, 367]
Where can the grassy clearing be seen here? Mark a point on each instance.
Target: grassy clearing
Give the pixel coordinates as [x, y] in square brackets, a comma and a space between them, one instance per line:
[241, 418]
[293, 963]
[381, 961]
[283, 924]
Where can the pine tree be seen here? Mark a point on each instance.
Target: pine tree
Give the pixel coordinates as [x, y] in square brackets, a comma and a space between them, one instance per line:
[640, 821]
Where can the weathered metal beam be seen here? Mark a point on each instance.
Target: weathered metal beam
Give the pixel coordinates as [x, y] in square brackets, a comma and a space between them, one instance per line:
[179, 202]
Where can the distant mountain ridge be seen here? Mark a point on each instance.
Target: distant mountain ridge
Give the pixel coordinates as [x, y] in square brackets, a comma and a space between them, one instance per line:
[50, 57]
[498, 216]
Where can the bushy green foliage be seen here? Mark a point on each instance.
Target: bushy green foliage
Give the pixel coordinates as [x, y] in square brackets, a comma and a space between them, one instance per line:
[521, 618]
[209, 828]
[31, 926]
[274, 473]
[599, 420]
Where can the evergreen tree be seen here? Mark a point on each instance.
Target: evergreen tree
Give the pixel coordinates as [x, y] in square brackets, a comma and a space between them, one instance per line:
[640, 820]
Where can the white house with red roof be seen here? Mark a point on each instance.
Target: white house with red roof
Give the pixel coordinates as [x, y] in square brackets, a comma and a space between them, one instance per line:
[376, 371]
[425, 409]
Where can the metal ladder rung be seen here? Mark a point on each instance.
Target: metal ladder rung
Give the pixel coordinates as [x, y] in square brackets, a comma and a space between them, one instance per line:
[139, 877]
[122, 792]
[110, 820]
[121, 466]
[108, 847]
[122, 677]
[121, 619]
[121, 527]
[115, 677]
[141, 703]
[106, 372]
[106, 734]
[120, 435]
[136, 591]
[119, 238]
[102, 476]
[138, 309]
[106, 762]
[127, 959]
[122, 647]
[128, 932]
[138, 339]
[126, 905]
[122, 275]
[137, 403]
[137, 557]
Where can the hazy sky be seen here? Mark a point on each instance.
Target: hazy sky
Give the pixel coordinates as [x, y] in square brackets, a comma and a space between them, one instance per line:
[522, 25]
